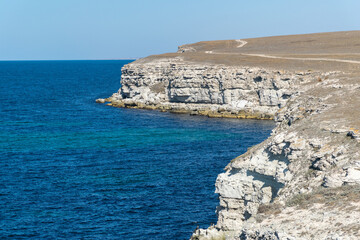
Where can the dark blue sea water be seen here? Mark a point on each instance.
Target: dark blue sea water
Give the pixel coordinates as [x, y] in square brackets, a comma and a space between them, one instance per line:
[74, 169]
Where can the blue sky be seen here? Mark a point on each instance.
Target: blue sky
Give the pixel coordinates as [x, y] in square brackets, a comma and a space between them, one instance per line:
[114, 29]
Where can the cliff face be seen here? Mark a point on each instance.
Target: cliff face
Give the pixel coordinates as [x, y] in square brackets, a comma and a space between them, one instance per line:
[213, 90]
[303, 182]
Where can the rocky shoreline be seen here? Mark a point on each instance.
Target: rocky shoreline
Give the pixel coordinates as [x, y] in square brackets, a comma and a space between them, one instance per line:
[303, 181]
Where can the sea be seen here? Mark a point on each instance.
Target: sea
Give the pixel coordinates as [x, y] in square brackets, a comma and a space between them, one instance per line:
[71, 168]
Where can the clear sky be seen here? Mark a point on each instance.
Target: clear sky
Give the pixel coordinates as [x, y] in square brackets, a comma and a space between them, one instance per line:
[114, 29]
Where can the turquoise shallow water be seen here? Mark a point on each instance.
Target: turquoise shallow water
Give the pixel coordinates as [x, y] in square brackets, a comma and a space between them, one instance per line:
[74, 169]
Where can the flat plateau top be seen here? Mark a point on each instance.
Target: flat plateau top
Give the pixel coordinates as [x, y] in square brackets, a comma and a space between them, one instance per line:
[324, 52]
[335, 51]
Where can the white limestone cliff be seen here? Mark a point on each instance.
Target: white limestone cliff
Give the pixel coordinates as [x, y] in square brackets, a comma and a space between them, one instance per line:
[213, 90]
[303, 182]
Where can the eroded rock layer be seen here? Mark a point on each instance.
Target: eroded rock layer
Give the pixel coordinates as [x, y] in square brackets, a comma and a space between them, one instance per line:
[212, 90]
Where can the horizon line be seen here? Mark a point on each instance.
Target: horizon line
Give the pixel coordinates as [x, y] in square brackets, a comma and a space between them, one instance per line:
[19, 60]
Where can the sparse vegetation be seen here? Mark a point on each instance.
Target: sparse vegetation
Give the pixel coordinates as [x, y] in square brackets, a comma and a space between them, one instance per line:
[331, 197]
[272, 208]
[268, 209]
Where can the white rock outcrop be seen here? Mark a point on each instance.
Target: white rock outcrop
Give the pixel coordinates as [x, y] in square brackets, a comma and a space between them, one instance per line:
[236, 91]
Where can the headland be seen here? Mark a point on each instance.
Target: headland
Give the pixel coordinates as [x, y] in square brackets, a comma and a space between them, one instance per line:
[303, 182]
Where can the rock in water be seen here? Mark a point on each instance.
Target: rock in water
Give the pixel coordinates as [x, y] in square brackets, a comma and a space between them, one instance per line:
[100, 100]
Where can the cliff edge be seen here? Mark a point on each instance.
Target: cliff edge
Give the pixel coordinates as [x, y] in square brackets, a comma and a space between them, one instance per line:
[303, 182]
